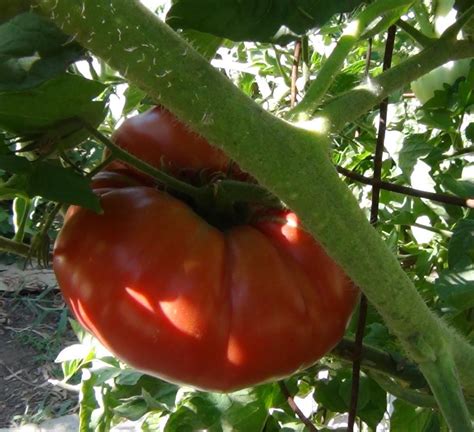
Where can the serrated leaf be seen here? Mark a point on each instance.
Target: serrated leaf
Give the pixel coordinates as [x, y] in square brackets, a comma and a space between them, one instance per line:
[461, 245]
[33, 50]
[244, 411]
[456, 288]
[327, 394]
[255, 20]
[65, 97]
[50, 181]
[414, 147]
[128, 377]
[132, 410]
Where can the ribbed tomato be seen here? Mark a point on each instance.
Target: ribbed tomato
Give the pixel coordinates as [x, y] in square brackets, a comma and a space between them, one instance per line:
[180, 299]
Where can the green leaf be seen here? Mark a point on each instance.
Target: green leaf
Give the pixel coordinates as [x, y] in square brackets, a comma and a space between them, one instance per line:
[204, 43]
[133, 98]
[408, 418]
[377, 335]
[442, 119]
[372, 400]
[461, 245]
[470, 132]
[456, 288]
[65, 97]
[152, 421]
[88, 402]
[335, 395]
[415, 147]
[327, 394]
[244, 411]
[33, 50]
[255, 20]
[128, 377]
[186, 419]
[132, 409]
[462, 188]
[53, 182]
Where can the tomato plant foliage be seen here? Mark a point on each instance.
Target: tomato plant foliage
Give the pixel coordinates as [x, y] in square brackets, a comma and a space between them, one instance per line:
[193, 275]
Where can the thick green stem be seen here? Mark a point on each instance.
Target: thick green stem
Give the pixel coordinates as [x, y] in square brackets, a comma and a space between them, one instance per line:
[326, 76]
[381, 362]
[292, 163]
[444, 382]
[354, 103]
[421, 39]
[246, 192]
[412, 396]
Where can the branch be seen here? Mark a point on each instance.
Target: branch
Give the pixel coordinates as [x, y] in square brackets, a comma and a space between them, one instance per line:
[414, 397]
[291, 402]
[405, 190]
[294, 72]
[354, 103]
[444, 381]
[13, 247]
[421, 39]
[376, 360]
[334, 63]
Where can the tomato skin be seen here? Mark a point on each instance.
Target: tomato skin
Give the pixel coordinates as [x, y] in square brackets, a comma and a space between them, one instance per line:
[159, 138]
[177, 298]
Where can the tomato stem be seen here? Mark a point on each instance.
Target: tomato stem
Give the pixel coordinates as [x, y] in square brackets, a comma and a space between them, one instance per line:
[332, 66]
[228, 191]
[173, 183]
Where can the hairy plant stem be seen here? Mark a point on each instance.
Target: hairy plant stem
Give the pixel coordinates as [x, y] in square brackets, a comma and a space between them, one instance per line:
[351, 36]
[408, 395]
[231, 191]
[421, 39]
[292, 163]
[376, 360]
[354, 103]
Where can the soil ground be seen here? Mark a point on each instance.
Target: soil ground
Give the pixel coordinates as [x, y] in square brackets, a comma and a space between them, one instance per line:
[33, 330]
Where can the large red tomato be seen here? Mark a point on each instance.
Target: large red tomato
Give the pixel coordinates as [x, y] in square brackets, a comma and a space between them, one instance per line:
[180, 299]
[159, 138]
